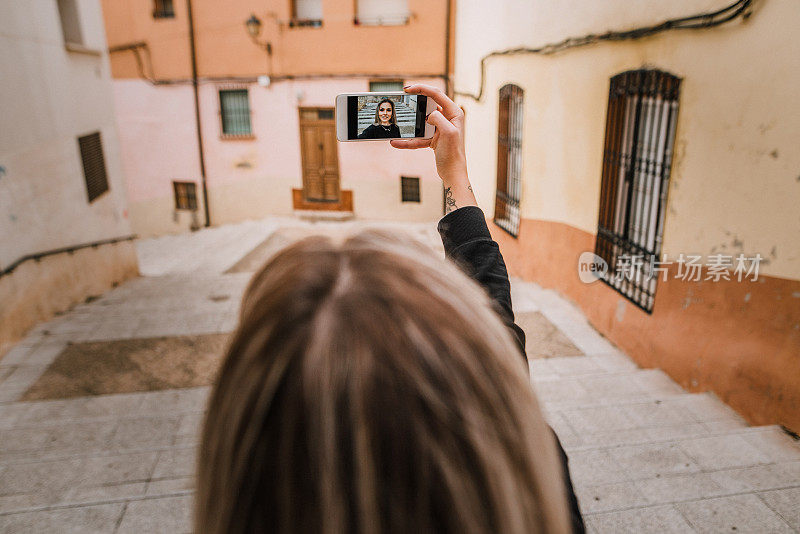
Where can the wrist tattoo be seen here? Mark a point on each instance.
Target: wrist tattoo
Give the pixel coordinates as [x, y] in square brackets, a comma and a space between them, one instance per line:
[449, 201]
[470, 188]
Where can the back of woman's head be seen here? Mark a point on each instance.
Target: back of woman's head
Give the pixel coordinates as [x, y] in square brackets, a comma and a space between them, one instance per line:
[370, 388]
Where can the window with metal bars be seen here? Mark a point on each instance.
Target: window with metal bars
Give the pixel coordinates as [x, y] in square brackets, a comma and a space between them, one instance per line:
[409, 188]
[637, 157]
[163, 9]
[509, 160]
[306, 13]
[185, 195]
[385, 86]
[235, 113]
[382, 12]
[94, 165]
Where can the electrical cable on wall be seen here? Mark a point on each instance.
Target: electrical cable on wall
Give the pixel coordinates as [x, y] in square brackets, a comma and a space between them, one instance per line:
[740, 8]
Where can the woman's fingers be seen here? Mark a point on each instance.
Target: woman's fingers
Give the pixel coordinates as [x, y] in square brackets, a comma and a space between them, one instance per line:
[449, 108]
[443, 126]
[410, 143]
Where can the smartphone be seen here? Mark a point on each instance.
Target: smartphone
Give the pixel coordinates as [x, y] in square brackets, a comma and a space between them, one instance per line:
[382, 116]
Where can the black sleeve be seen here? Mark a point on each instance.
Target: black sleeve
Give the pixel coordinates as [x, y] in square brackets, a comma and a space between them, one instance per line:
[396, 131]
[368, 133]
[467, 241]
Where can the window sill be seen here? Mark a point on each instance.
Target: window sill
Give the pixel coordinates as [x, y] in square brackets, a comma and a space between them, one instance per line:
[80, 49]
[305, 23]
[399, 21]
[246, 137]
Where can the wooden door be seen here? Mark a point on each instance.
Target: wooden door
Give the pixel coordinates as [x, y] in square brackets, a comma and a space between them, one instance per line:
[319, 152]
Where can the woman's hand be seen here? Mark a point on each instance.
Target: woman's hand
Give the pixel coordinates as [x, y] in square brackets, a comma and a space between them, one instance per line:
[447, 144]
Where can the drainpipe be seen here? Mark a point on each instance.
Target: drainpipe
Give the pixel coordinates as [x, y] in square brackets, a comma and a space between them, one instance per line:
[447, 37]
[447, 82]
[197, 112]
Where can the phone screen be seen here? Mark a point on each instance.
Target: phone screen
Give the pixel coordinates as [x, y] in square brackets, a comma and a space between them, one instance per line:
[386, 116]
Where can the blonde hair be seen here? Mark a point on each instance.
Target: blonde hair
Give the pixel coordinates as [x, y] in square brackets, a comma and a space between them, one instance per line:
[371, 388]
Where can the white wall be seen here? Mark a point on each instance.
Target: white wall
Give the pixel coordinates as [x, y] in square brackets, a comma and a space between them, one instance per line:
[49, 97]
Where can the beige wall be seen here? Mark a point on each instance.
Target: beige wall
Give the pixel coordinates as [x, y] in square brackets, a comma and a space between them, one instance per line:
[50, 96]
[734, 185]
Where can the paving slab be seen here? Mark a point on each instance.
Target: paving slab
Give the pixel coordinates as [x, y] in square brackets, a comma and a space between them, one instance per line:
[645, 455]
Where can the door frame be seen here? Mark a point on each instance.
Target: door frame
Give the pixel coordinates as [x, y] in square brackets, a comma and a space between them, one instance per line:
[302, 121]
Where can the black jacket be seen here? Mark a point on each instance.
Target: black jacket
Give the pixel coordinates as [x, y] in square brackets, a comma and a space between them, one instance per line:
[374, 131]
[467, 241]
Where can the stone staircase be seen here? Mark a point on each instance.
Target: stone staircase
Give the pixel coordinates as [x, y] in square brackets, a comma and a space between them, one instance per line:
[406, 118]
[645, 455]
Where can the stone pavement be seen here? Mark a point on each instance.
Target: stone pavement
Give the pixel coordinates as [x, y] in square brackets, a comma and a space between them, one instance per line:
[645, 455]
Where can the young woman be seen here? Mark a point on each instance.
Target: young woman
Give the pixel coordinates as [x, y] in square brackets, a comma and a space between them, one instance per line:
[385, 124]
[373, 387]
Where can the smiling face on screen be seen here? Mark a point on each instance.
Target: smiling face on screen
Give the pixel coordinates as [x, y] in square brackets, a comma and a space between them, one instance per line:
[384, 114]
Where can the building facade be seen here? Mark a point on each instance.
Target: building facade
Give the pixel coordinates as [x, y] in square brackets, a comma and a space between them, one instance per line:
[265, 99]
[655, 148]
[64, 228]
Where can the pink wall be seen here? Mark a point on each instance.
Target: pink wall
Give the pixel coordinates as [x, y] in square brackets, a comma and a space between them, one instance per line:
[157, 137]
[159, 144]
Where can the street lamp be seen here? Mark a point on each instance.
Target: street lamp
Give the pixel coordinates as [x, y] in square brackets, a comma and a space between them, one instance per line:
[253, 25]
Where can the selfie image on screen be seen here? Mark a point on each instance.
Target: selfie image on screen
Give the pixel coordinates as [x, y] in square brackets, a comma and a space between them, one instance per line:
[386, 116]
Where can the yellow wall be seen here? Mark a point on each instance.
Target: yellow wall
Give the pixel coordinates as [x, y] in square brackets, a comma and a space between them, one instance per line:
[735, 183]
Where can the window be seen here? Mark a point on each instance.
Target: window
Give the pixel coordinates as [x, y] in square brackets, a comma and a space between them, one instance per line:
[385, 86]
[382, 12]
[235, 113]
[185, 195]
[640, 132]
[306, 13]
[94, 165]
[409, 188]
[70, 21]
[509, 160]
[163, 9]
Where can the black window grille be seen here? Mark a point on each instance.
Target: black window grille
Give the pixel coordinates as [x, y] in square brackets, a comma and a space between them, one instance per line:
[509, 160]
[94, 165]
[163, 9]
[385, 86]
[637, 157]
[306, 13]
[235, 112]
[185, 195]
[409, 188]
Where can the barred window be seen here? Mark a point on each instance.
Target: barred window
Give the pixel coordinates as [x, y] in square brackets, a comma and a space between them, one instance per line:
[163, 9]
[235, 112]
[385, 86]
[640, 132]
[509, 160]
[94, 165]
[382, 12]
[185, 195]
[306, 13]
[409, 188]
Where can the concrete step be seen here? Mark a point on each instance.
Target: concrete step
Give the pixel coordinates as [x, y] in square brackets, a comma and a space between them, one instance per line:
[605, 389]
